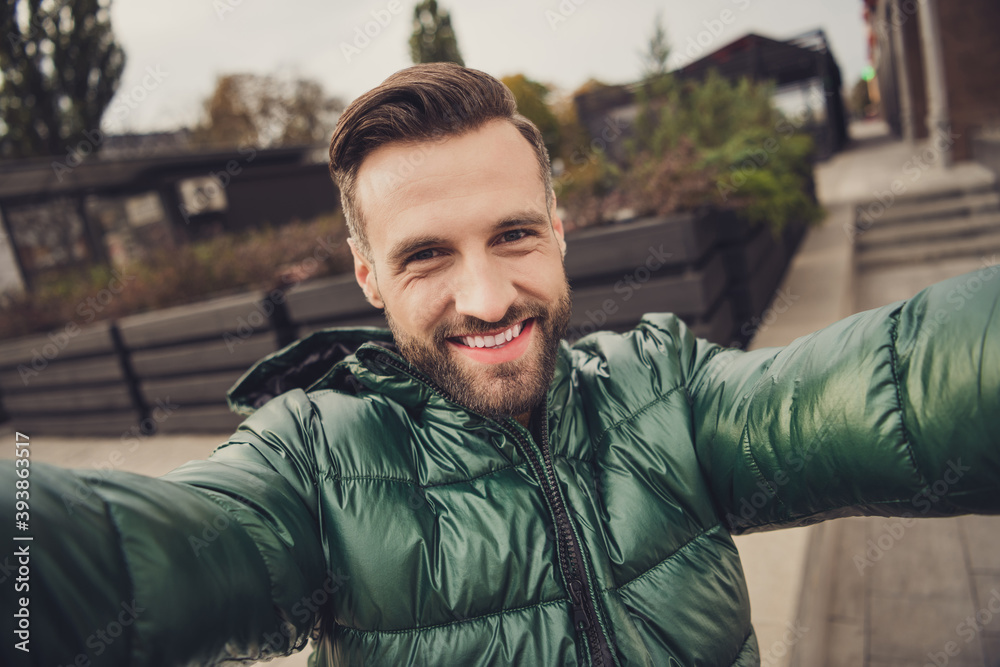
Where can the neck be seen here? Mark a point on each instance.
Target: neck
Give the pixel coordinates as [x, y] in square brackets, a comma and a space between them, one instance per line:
[524, 419]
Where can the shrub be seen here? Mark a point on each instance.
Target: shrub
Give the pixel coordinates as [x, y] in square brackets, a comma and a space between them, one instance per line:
[266, 259]
[697, 143]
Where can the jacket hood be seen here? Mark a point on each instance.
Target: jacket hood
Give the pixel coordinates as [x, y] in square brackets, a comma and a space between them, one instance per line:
[302, 365]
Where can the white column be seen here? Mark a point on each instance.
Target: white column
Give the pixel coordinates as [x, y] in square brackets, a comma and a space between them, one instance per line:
[938, 122]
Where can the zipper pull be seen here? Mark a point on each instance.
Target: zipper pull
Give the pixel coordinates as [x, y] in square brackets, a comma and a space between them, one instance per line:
[580, 619]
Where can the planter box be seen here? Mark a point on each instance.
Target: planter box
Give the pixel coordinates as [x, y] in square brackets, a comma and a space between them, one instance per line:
[710, 268]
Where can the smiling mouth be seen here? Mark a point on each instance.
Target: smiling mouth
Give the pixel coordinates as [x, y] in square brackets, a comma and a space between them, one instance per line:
[494, 340]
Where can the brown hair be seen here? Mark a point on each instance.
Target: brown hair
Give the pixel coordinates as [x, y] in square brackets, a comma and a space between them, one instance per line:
[421, 103]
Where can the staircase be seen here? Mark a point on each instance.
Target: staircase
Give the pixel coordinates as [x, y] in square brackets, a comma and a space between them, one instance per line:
[951, 222]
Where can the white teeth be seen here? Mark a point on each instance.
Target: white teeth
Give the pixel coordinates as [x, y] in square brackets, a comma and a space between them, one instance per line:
[495, 339]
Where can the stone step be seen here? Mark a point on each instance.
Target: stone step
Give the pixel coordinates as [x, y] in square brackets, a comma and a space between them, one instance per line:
[923, 231]
[902, 211]
[985, 247]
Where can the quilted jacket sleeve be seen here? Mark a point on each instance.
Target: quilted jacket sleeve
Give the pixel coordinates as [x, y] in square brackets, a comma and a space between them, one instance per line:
[208, 564]
[894, 411]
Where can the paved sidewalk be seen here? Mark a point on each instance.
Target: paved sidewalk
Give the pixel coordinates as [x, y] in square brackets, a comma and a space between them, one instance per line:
[892, 592]
[814, 601]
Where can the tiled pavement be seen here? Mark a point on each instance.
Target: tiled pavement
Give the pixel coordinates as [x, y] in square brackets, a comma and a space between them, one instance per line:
[887, 592]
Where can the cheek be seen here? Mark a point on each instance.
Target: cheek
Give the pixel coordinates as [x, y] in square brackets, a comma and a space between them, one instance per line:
[424, 304]
[545, 281]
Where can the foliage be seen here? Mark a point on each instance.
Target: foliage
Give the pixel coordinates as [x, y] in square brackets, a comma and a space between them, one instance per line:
[587, 188]
[266, 111]
[573, 137]
[433, 39]
[654, 59]
[768, 187]
[60, 65]
[174, 276]
[532, 103]
[711, 142]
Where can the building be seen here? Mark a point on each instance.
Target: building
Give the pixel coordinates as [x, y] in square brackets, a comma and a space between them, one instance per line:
[936, 67]
[65, 211]
[805, 74]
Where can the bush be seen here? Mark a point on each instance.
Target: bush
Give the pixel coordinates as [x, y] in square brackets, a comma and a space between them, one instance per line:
[266, 259]
[693, 144]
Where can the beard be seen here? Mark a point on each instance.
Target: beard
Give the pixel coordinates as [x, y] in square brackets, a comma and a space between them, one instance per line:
[505, 389]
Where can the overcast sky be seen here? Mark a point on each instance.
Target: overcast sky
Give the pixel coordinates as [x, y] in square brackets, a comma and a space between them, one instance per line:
[177, 49]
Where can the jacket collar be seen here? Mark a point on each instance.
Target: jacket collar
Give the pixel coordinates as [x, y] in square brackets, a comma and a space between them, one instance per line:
[350, 359]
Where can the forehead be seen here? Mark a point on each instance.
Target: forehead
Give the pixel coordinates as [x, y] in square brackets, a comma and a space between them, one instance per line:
[449, 184]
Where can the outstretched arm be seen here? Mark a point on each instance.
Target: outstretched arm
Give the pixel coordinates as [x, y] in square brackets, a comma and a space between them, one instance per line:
[207, 564]
[888, 412]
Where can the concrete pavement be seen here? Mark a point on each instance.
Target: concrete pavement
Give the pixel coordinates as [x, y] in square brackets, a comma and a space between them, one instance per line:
[892, 592]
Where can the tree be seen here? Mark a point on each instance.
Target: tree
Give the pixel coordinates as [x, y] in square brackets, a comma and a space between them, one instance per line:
[654, 58]
[264, 111]
[60, 65]
[532, 103]
[433, 40]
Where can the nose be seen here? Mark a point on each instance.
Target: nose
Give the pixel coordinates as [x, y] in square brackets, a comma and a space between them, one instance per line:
[484, 290]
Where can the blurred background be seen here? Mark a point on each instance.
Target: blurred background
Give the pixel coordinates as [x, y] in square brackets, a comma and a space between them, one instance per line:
[760, 167]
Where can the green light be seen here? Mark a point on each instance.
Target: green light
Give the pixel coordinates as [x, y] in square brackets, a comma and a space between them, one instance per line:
[868, 73]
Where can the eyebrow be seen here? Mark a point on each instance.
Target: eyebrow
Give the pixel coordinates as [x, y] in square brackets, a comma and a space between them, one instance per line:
[406, 247]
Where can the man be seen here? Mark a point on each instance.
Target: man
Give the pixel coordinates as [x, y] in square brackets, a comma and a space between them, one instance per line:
[470, 491]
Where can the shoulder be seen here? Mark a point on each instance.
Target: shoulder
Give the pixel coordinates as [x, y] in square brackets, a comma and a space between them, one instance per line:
[635, 365]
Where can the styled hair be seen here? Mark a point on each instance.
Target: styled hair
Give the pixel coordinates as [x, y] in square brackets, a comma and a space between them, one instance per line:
[421, 103]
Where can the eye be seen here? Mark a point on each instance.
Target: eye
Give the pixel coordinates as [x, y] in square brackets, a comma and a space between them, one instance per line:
[514, 235]
[423, 255]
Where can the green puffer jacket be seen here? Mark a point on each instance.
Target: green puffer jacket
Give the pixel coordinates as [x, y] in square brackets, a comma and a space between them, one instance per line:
[401, 529]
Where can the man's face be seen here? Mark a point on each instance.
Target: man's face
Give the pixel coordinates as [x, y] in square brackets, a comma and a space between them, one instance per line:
[467, 264]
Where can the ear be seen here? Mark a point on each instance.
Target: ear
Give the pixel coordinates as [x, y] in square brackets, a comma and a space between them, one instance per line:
[365, 275]
[557, 227]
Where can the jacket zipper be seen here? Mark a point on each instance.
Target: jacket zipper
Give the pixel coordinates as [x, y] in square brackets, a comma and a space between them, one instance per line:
[570, 555]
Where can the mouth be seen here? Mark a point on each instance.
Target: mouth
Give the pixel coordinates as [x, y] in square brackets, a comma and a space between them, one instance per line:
[496, 346]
